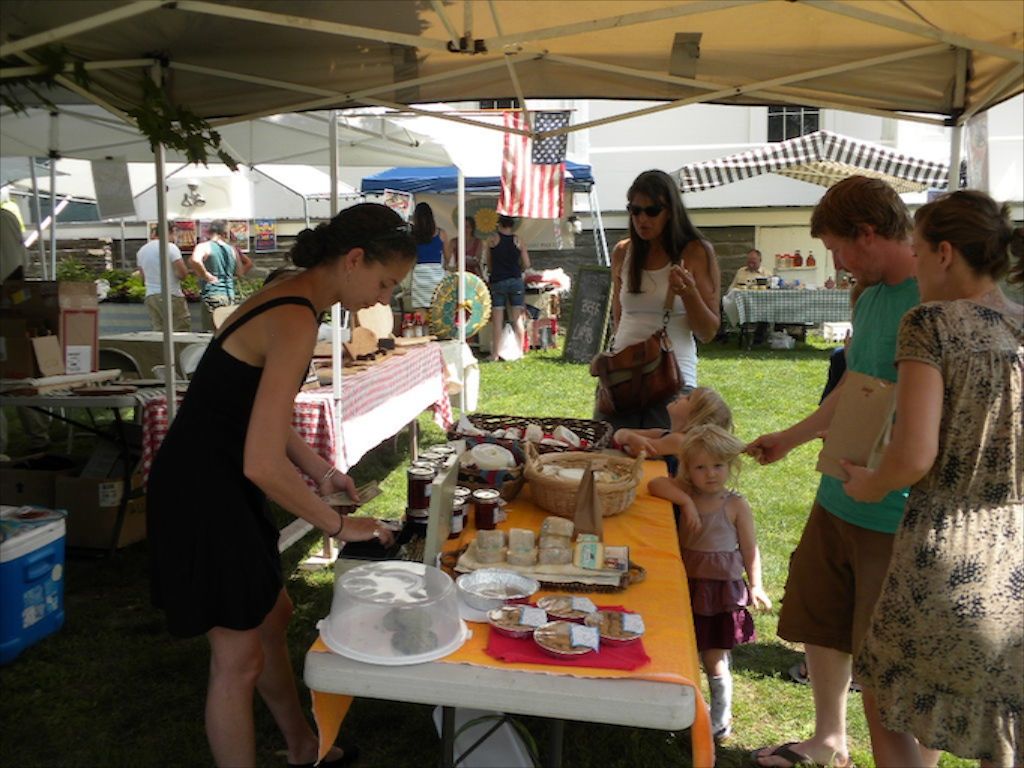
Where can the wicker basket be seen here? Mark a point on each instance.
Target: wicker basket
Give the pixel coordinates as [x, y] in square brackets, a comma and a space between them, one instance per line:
[597, 434]
[558, 495]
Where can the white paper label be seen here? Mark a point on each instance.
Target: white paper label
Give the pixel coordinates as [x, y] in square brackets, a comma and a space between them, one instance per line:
[633, 622]
[582, 636]
[110, 494]
[532, 617]
[78, 359]
[584, 604]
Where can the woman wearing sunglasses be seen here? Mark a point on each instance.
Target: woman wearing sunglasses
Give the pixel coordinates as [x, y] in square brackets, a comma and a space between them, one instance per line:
[665, 252]
[214, 564]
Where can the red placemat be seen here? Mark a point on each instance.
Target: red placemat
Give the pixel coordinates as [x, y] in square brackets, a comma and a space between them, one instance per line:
[611, 656]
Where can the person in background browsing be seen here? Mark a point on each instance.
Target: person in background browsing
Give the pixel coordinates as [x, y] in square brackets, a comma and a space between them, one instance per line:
[507, 258]
[214, 562]
[944, 656]
[217, 263]
[148, 262]
[431, 241]
[474, 249]
[13, 261]
[664, 252]
[718, 543]
[837, 570]
[748, 274]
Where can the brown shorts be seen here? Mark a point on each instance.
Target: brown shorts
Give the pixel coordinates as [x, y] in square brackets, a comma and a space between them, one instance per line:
[835, 576]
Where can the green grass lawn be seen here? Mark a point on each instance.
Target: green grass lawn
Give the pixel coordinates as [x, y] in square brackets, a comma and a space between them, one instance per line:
[112, 688]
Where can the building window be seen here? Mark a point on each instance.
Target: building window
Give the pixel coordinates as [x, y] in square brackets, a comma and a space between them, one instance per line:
[787, 122]
[499, 104]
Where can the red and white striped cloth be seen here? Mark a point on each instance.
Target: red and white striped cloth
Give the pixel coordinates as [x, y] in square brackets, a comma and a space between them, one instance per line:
[533, 173]
[375, 404]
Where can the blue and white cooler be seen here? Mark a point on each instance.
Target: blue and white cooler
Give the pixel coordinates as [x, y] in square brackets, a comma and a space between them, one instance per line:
[31, 577]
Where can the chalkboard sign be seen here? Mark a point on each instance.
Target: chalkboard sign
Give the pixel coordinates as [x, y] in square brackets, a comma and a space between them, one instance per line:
[591, 300]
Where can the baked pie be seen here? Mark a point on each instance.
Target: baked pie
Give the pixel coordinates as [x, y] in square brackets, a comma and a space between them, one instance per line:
[616, 626]
[567, 607]
[564, 638]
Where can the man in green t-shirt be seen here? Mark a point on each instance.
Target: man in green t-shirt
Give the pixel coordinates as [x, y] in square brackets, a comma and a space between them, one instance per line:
[837, 570]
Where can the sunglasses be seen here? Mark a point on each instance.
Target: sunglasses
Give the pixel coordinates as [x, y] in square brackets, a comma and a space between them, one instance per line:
[648, 210]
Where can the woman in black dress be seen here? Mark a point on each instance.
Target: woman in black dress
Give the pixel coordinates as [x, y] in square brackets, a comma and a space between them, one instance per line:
[215, 565]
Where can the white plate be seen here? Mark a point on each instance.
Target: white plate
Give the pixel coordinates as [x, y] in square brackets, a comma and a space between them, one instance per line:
[393, 661]
[468, 613]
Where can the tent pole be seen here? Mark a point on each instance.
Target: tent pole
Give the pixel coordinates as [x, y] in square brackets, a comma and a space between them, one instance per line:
[336, 310]
[459, 314]
[38, 217]
[955, 143]
[54, 156]
[597, 225]
[165, 270]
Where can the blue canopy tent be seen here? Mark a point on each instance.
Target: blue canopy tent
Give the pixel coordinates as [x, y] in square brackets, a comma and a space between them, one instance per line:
[445, 180]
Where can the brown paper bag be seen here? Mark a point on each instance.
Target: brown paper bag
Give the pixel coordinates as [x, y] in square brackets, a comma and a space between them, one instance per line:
[589, 516]
[860, 427]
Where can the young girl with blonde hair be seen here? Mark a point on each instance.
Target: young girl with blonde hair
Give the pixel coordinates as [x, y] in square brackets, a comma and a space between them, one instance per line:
[703, 405]
[718, 543]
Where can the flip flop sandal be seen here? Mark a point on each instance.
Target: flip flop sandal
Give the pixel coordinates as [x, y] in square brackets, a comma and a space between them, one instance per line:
[786, 752]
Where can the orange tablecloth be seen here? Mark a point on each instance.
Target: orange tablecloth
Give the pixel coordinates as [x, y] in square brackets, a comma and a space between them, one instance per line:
[663, 599]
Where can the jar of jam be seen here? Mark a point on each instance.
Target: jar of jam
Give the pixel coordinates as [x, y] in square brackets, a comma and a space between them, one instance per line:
[485, 507]
[419, 480]
[459, 504]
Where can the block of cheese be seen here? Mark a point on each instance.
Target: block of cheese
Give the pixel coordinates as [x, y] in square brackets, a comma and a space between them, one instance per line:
[522, 556]
[491, 556]
[490, 539]
[557, 526]
[555, 542]
[554, 556]
[521, 538]
[588, 554]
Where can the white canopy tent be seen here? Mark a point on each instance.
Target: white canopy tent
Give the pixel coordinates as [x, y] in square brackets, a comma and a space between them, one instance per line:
[931, 61]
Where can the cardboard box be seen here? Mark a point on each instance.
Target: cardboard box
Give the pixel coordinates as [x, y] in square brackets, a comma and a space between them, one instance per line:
[17, 358]
[92, 504]
[67, 310]
[33, 480]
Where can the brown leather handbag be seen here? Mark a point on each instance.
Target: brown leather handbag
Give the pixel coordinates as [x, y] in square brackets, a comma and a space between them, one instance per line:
[640, 375]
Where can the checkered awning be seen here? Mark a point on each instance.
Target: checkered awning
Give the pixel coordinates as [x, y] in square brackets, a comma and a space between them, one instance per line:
[819, 158]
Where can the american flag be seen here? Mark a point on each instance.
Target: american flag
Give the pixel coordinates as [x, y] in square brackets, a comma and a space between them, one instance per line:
[533, 173]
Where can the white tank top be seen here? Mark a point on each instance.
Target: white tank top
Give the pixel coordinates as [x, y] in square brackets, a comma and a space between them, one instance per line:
[642, 313]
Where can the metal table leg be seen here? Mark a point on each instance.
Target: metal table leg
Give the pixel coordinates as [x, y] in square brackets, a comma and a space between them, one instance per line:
[555, 738]
[447, 737]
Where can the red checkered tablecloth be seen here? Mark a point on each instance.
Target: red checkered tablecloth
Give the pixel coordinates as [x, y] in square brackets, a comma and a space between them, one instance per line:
[375, 404]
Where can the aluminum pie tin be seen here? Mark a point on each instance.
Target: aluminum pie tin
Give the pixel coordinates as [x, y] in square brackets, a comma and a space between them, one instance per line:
[606, 623]
[553, 638]
[488, 588]
[560, 607]
[503, 621]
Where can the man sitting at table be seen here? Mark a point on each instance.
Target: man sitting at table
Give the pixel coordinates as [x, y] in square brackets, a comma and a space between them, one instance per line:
[748, 274]
[148, 261]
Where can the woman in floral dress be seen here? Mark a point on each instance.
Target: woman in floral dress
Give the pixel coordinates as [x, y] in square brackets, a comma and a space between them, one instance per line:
[944, 655]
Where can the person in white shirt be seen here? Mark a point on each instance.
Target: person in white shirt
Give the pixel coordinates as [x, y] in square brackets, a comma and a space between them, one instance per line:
[747, 275]
[148, 260]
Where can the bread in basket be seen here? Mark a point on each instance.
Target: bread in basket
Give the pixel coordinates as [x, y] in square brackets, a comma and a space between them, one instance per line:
[615, 480]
